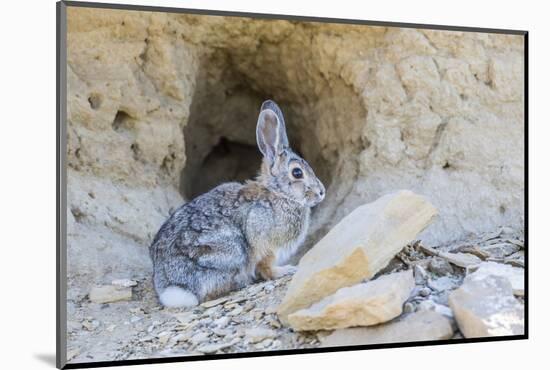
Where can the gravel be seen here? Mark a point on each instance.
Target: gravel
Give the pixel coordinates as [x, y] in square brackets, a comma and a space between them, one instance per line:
[245, 320]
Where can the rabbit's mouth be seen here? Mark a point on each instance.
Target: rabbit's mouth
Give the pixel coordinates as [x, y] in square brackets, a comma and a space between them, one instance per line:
[314, 198]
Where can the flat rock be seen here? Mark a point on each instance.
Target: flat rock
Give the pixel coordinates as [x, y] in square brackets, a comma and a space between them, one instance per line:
[236, 311]
[515, 262]
[419, 326]
[500, 250]
[517, 242]
[215, 302]
[464, 260]
[370, 303]
[110, 293]
[255, 335]
[355, 249]
[213, 347]
[200, 337]
[184, 317]
[163, 337]
[221, 322]
[485, 307]
[124, 283]
[473, 249]
[514, 275]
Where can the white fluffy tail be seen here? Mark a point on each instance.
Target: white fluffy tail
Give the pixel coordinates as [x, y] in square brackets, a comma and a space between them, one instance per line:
[174, 296]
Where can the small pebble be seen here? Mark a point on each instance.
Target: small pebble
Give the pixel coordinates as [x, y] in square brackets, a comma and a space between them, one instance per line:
[126, 283]
[440, 266]
[199, 337]
[420, 274]
[221, 322]
[408, 307]
[236, 311]
[424, 292]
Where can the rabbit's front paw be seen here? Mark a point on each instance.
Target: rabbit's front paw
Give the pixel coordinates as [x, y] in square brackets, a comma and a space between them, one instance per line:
[279, 271]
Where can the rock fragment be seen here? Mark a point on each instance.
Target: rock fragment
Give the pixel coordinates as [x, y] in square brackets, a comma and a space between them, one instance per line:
[200, 337]
[419, 326]
[215, 302]
[256, 335]
[444, 283]
[163, 337]
[72, 353]
[236, 311]
[500, 250]
[473, 249]
[90, 325]
[221, 322]
[213, 347]
[487, 307]
[514, 275]
[110, 293]
[370, 303]
[424, 292]
[464, 260]
[517, 242]
[185, 317]
[420, 274]
[126, 283]
[429, 305]
[359, 246]
[515, 262]
[440, 266]
[408, 307]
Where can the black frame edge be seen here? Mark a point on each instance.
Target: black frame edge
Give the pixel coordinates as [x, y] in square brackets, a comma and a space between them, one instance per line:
[526, 178]
[302, 351]
[61, 186]
[61, 116]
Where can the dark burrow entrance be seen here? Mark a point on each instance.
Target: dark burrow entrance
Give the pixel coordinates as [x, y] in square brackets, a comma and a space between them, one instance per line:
[220, 138]
[220, 135]
[220, 141]
[227, 161]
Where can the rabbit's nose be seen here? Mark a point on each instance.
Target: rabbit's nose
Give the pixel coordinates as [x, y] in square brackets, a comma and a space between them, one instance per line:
[321, 193]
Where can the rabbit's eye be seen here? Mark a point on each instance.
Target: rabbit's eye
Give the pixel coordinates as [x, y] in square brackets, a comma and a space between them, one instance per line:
[297, 173]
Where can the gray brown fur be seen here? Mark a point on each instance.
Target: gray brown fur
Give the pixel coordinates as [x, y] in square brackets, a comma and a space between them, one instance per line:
[226, 238]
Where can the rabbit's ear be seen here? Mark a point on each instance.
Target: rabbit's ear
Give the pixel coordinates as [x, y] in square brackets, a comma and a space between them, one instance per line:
[271, 131]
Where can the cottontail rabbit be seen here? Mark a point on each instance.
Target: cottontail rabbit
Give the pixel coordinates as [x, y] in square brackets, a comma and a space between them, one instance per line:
[223, 239]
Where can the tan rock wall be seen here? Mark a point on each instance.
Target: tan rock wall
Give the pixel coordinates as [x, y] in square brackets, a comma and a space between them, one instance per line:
[373, 109]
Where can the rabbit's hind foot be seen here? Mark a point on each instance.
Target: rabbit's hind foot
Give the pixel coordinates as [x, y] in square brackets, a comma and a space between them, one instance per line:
[174, 296]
